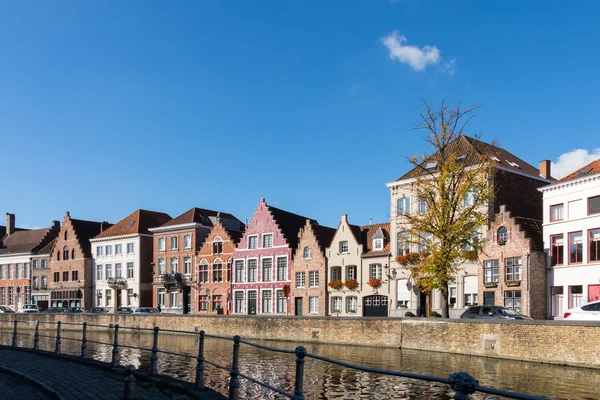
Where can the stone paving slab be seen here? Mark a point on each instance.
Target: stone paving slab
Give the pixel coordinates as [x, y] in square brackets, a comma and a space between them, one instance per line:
[15, 389]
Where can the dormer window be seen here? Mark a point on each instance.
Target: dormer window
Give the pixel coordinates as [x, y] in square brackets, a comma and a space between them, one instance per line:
[306, 253]
[460, 159]
[378, 244]
[502, 235]
[496, 159]
[344, 246]
[430, 165]
[513, 164]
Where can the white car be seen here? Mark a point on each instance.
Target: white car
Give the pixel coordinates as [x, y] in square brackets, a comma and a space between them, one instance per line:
[30, 309]
[587, 312]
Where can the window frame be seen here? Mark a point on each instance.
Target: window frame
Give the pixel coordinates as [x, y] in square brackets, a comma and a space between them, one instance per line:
[264, 237]
[306, 253]
[378, 244]
[589, 205]
[403, 209]
[344, 247]
[313, 279]
[597, 242]
[552, 247]
[495, 270]
[300, 280]
[312, 310]
[262, 269]
[252, 238]
[555, 206]
[582, 241]
[514, 267]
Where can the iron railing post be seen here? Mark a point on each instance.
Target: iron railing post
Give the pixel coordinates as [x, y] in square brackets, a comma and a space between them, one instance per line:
[154, 357]
[14, 341]
[115, 351]
[36, 336]
[83, 340]
[200, 364]
[234, 380]
[57, 348]
[129, 389]
[299, 384]
[463, 384]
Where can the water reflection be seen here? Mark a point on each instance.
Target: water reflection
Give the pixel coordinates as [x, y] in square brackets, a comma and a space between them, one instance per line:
[328, 381]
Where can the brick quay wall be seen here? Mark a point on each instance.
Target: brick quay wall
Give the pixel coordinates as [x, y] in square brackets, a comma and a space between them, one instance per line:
[554, 342]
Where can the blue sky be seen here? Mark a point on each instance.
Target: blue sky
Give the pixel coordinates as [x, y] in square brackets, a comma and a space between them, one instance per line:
[106, 107]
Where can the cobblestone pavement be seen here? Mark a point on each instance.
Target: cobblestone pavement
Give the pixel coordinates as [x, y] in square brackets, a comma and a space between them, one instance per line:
[70, 379]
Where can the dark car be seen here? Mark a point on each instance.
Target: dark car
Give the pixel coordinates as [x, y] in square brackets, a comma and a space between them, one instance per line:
[98, 310]
[146, 310]
[491, 312]
[74, 310]
[54, 310]
[124, 310]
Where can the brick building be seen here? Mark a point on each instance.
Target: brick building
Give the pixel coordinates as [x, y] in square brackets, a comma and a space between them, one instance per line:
[376, 262]
[71, 263]
[18, 247]
[176, 244]
[309, 283]
[213, 272]
[512, 265]
[40, 276]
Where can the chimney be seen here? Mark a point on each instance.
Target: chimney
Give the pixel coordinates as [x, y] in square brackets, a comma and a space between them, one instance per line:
[370, 221]
[56, 225]
[344, 217]
[10, 223]
[67, 214]
[545, 169]
[103, 226]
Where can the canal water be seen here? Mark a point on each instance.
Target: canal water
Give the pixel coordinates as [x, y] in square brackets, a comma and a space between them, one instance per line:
[327, 381]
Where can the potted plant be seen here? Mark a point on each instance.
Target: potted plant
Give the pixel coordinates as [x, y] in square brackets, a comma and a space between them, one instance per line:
[336, 284]
[490, 284]
[375, 283]
[513, 282]
[501, 242]
[351, 283]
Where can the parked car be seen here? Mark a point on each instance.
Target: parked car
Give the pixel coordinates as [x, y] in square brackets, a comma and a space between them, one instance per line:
[30, 309]
[74, 310]
[587, 312]
[146, 310]
[6, 310]
[98, 310]
[124, 310]
[54, 310]
[491, 312]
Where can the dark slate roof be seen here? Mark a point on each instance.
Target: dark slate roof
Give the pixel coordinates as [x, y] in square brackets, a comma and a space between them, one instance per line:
[369, 232]
[235, 236]
[47, 249]
[290, 224]
[198, 215]
[86, 230]
[472, 149]
[533, 230]
[324, 235]
[137, 222]
[590, 169]
[3, 231]
[25, 241]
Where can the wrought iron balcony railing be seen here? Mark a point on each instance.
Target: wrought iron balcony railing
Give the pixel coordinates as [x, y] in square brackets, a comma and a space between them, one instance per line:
[116, 282]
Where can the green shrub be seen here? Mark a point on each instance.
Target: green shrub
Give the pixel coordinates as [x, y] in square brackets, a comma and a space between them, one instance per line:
[409, 314]
[434, 314]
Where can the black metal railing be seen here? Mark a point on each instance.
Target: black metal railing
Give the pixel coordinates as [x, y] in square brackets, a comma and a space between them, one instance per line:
[116, 282]
[462, 383]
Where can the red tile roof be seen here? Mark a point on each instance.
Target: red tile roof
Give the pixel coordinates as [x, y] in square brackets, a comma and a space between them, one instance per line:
[367, 233]
[137, 222]
[590, 169]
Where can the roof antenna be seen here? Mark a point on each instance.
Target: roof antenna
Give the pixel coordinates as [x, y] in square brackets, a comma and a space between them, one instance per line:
[370, 221]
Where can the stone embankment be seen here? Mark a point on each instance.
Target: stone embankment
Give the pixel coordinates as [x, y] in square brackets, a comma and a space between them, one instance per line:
[554, 342]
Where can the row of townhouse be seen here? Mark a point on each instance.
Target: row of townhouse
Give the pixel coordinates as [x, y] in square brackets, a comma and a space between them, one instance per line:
[205, 261]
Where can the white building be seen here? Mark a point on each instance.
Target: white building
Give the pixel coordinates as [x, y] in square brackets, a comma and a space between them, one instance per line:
[123, 261]
[572, 238]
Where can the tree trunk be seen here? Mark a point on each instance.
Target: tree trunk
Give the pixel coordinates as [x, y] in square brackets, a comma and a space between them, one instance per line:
[445, 308]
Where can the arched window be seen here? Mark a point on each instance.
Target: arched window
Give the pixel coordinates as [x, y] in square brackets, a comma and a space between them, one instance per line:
[306, 253]
[502, 235]
[72, 254]
[217, 271]
[217, 245]
[203, 271]
[66, 235]
[58, 255]
[65, 253]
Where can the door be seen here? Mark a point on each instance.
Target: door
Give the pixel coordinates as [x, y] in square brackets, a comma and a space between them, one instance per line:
[298, 306]
[593, 293]
[119, 297]
[252, 302]
[186, 299]
[375, 306]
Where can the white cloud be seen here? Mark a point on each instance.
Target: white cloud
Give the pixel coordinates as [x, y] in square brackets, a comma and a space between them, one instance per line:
[449, 67]
[417, 58]
[572, 161]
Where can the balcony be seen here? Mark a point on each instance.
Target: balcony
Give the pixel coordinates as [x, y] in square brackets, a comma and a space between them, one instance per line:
[172, 279]
[117, 283]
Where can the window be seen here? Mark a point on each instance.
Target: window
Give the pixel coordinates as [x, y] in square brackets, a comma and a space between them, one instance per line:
[108, 250]
[488, 298]
[267, 301]
[203, 303]
[403, 243]
[187, 265]
[403, 206]
[161, 244]
[344, 246]
[118, 273]
[471, 299]
[174, 298]
[130, 248]
[336, 304]
[66, 235]
[594, 205]
[99, 297]
[217, 272]
[267, 269]
[57, 277]
[351, 272]
[187, 241]
[300, 279]
[108, 268]
[512, 300]
[252, 270]
[557, 255]
[72, 254]
[239, 302]
[217, 302]
[203, 272]
[162, 268]
[44, 282]
[575, 247]
[594, 245]
[502, 235]
[351, 304]
[557, 301]
[11, 271]
[575, 296]
[44, 263]
[313, 304]
[252, 242]
[19, 271]
[378, 244]
[281, 303]
[66, 253]
[306, 252]
[173, 243]
[65, 276]
[267, 240]
[129, 296]
[313, 279]
[217, 245]
[75, 276]
[452, 297]
[239, 272]
[469, 198]
[160, 295]
[58, 255]
[36, 283]
[108, 297]
[491, 271]
[129, 270]
[118, 249]
[557, 212]
[513, 268]
[336, 273]
[173, 263]
[376, 271]
[282, 269]
[35, 264]
[422, 205]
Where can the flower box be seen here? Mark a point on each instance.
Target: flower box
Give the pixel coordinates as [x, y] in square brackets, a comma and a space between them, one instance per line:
[375, 283]
[337, 284]
[501, 242]
[351, 284]
[490, 284]
[513, 283]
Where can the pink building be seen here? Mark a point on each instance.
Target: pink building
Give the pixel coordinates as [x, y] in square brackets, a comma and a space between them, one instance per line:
[263, 259]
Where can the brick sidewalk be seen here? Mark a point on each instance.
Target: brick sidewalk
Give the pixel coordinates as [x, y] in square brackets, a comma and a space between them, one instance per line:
[73, 380]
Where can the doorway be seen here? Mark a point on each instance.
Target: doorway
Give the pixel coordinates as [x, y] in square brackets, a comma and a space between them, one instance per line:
[119, 297]
[252, 302]
[375, 306]
[593, 293]
[298, 306]
[186, 298]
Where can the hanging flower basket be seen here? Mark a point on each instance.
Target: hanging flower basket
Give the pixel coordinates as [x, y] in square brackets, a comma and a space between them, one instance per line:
[375, 283]
[286, 290]
[337, 284]
[513, 283]
[351, 284]
[501, 242]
